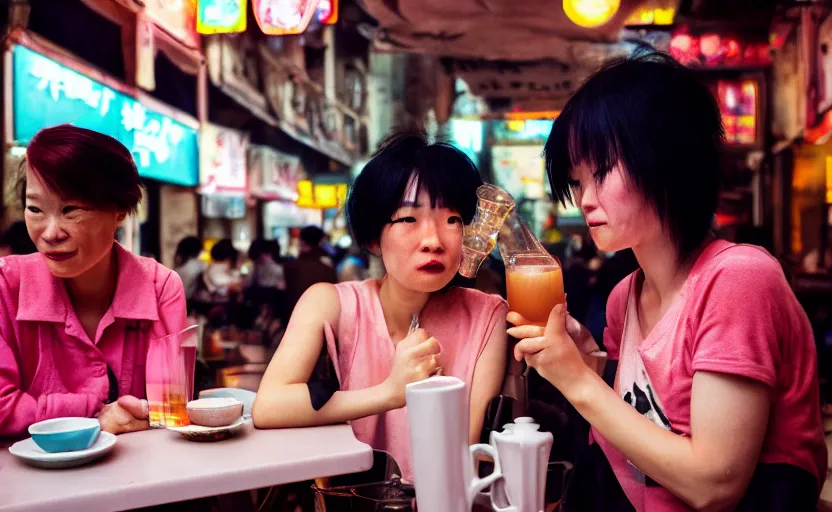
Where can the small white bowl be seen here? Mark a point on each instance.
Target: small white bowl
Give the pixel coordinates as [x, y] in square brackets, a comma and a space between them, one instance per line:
[215, 412]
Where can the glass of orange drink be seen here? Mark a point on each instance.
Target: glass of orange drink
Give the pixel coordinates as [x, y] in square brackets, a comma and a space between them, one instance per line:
[534, 286]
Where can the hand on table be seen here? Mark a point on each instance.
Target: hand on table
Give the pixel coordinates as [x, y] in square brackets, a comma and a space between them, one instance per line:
[128, 414]
[560, 352]
[416, 358]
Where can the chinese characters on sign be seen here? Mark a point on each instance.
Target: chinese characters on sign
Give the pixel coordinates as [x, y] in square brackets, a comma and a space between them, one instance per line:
[47, 93]
[60, 82]
[549, 80]
[152, 136]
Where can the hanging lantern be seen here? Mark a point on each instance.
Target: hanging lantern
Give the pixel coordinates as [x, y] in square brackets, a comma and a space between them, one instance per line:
[590, 13]
[221, 16]
[284, 17]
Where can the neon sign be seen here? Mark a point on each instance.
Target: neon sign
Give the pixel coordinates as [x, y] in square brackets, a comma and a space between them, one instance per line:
[175, 16]
[221, 16]
[738, 105]
[47, 93]
[327, 12]
[284, 17]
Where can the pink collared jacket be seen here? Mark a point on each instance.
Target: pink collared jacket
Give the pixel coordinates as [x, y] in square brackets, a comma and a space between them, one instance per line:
[49, 367]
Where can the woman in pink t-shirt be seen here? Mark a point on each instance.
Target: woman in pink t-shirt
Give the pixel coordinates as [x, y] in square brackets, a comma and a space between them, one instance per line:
[408, 205]
[77, 316]
[715, 401]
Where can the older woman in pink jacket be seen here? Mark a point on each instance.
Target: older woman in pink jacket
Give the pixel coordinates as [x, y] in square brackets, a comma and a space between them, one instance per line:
[76, 317]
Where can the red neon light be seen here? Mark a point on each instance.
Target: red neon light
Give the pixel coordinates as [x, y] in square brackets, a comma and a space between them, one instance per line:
[821, 131]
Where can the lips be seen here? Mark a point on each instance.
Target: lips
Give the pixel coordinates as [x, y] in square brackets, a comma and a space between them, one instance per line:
[433, 267]
[595, 224]
[60, 255]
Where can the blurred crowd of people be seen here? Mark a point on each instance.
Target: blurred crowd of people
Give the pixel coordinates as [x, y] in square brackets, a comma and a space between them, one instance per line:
[259, 291]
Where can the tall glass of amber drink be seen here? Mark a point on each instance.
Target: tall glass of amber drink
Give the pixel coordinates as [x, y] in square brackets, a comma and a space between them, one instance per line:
[169, 377]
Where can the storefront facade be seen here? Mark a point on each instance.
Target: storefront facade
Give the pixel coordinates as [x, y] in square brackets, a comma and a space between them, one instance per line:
[44, 87]
[46, 93]
[223, 173]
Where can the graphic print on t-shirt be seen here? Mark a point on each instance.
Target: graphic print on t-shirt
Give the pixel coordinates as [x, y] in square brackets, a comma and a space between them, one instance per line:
[633, 382]
[639, 393]
[637, 390]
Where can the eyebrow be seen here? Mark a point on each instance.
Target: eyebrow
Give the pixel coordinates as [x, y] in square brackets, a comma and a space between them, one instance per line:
[410, 204]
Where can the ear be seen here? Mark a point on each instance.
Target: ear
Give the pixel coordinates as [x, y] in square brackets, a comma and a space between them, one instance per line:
[374, 249]
[120, 216]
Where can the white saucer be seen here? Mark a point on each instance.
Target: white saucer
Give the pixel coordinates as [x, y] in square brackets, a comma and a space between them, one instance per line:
[31, 453]
[200, 433]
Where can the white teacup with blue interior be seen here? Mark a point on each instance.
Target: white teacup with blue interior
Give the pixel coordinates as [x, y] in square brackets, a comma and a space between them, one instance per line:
[65, 434]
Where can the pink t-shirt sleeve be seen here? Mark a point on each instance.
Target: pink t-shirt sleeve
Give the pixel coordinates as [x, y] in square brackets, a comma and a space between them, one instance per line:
[18, 409]
[616, 311]
[739, 306]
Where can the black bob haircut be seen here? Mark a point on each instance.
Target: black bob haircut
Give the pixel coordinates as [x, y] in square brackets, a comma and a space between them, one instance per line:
[654, 117]
[450, 178]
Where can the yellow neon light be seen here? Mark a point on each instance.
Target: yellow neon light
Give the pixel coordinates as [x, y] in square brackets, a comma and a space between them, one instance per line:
[590, 13]
[531, 116]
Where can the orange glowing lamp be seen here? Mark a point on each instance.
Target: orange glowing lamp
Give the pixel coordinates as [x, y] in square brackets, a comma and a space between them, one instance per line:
[590, 13]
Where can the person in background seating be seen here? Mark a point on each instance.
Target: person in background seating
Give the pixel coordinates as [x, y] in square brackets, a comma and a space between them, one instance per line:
[313, 265]
[188, 265]
[16, 240]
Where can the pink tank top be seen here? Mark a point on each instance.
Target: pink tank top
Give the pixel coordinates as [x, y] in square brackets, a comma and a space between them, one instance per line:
[460, 319]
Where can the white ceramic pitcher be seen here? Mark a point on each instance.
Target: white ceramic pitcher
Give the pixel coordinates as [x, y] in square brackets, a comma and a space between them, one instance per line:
[443, 461]
[524, 456]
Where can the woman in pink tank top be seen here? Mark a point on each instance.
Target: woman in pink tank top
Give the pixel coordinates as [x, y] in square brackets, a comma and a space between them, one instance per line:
[711, 398]
[408, 206]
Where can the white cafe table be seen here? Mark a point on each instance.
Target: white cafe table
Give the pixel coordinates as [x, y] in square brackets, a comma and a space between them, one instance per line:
[159, 466]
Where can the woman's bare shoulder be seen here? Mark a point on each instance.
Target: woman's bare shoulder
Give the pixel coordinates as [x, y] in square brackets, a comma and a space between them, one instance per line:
[320, 302]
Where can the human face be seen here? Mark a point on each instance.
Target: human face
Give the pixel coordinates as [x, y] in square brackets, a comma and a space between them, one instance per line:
[618, 216]
[72, 236]
[422, 246]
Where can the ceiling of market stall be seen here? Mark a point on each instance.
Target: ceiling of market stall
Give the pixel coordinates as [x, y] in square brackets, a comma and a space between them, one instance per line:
[534, 53]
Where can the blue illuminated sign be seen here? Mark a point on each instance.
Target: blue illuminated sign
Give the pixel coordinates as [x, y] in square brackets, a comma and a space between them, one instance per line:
[47, 93]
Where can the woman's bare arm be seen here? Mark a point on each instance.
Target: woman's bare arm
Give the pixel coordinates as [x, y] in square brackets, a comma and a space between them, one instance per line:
[488, 378]
[283, 398]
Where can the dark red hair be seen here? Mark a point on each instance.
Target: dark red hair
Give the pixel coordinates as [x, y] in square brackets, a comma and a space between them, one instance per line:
[87, 166]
